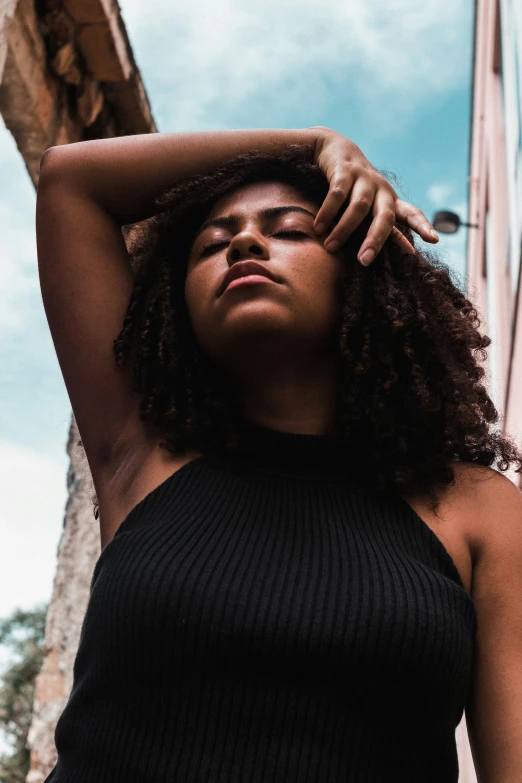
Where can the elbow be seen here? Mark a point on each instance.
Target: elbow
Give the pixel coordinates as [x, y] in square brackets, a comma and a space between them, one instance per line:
[52, 161]
[57, 170]
[51, 173]
[48, 156]
[62, 165]
[47, 165]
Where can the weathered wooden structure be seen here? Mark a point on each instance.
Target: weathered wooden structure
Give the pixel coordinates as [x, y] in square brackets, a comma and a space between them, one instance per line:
[67, 74]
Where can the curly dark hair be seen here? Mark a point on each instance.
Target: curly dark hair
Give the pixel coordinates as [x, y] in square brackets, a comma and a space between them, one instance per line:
[411, 394]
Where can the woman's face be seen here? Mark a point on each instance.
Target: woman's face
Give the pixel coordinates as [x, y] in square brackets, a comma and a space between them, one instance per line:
[297, 310]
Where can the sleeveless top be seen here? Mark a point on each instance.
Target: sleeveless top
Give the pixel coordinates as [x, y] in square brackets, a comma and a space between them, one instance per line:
[266, 616]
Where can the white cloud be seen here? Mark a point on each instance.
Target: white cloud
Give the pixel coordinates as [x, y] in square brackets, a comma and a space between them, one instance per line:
[207, 59]
[33, 491]
[439, 193]
[30, 524]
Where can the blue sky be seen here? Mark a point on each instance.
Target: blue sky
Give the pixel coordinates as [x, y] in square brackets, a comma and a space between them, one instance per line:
[393, 77]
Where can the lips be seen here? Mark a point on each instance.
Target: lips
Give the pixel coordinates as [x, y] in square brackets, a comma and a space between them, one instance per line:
[244, 268]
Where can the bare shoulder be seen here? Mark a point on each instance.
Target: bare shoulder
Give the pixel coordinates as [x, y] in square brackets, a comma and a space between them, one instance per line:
[469, 515]
[485, 490]
[473, 485]
[490, 507]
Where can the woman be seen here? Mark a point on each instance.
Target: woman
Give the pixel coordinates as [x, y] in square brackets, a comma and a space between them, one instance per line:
[309, 568]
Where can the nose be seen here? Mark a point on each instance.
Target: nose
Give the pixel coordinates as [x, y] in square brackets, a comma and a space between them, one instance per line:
[247, 244]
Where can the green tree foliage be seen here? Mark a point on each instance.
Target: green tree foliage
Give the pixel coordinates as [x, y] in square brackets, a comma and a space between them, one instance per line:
[22, 633]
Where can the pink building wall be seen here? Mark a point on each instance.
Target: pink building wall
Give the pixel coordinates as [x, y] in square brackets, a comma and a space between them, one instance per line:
[491, 286]
[493, 259]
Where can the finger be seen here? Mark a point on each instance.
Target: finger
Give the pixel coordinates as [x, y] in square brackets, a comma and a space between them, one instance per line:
[361, 201]
[384, 218]
[416, 220]
[340, 188]
[401, 240]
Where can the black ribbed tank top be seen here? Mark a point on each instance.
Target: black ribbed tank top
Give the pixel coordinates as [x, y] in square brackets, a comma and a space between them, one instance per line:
[267, 616]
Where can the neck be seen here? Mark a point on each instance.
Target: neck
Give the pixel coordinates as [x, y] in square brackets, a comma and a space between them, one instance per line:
[289, 398]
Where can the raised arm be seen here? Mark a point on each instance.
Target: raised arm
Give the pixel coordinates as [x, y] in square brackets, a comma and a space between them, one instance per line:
[124, 175]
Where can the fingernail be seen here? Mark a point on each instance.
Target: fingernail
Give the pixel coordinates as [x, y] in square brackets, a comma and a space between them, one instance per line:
[319, 228]
[367, 256]
[333, 246]
[434, 234]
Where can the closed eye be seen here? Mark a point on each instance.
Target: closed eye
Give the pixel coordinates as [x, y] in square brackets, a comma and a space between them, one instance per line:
[215, 246]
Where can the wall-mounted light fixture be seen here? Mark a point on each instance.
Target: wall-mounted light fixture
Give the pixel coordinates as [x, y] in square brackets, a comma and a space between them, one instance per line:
[449, 222]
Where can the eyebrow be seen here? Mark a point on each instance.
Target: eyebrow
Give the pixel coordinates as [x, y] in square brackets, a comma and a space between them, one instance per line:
[230, 220]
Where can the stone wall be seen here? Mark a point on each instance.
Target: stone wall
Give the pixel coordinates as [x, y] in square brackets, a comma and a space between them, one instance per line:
[78, 551]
